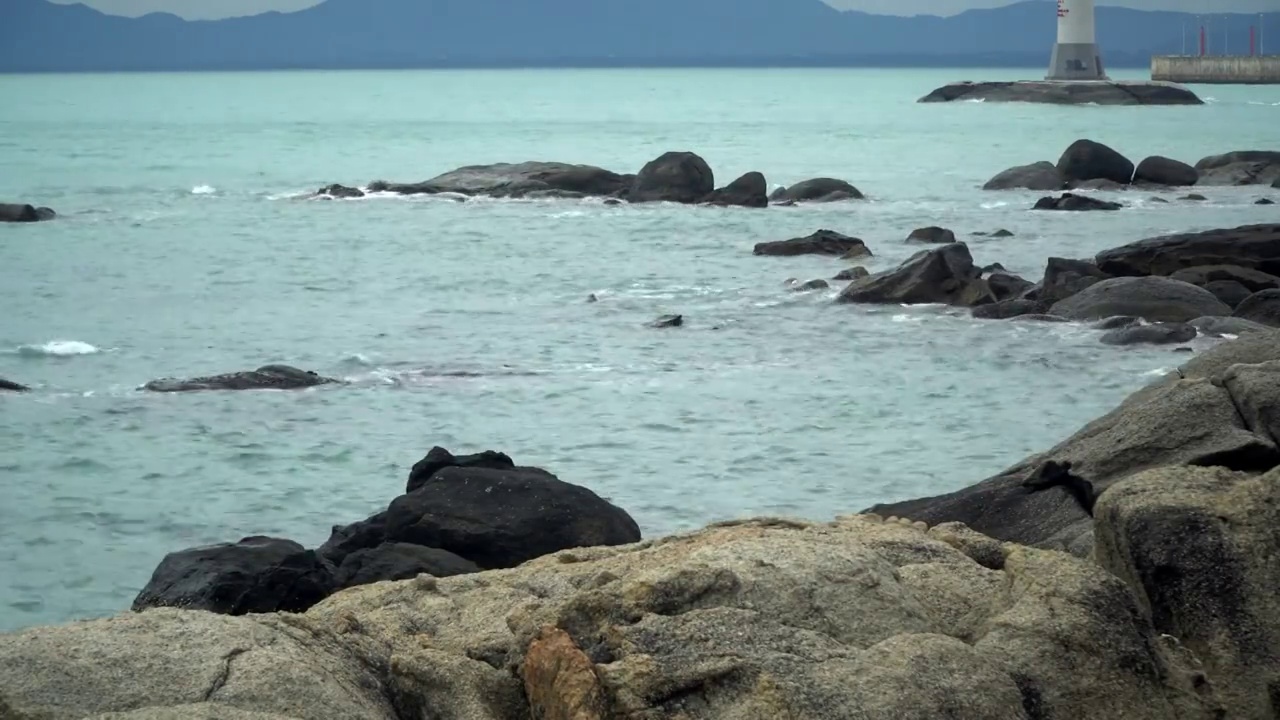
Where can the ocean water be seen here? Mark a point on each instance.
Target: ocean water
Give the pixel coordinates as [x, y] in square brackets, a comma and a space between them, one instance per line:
[186, 246]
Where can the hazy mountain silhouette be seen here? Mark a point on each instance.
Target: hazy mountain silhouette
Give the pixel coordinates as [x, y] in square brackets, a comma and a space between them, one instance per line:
[40, 36]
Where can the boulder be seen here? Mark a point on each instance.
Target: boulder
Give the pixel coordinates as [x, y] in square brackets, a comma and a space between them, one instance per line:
[19, 213]
[339, 192]
[855, 618]
[1229, 292]
[1064, 277]
[1155, 299]
[817, 190]
[680, 177]
[1261, 307]
[1241, 167]
[267, 377]
[1089, 160]
[398, 561]
[255, 575]
[1042, 175]
[439, 458]
[857, 272]
[932, 234]
[817, 284]
[1002, 233]
[1161, 170]
[750, 190]
[1006, 309]
[944, 274]
[1255, 247]
[822, 242]
[10, 386]
[516, 180]
[667, 321]
[1219, 326]
[1071, 201]
[1006, 286]
[1154, 334]
[1202, 275]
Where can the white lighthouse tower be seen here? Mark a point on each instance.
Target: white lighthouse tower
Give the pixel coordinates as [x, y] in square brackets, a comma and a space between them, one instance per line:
[1076, 56]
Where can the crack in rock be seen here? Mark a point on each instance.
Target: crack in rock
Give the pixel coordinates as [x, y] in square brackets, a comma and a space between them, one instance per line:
[225, 674]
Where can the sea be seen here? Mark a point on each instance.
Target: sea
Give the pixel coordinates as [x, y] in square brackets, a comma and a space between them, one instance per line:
[187, 244]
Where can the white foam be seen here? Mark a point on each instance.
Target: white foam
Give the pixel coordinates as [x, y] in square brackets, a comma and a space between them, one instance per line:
[204, 190]
[58, 348]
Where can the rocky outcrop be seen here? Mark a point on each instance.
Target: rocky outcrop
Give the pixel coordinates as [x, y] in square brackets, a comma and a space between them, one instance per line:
[1261, 307]
[1241, 167]
[1042, 175]
[681, 177]
[1073, 202]
[855, 618]
[750, 190]
[1160, 170]
[817, 190]
[267, 377]
[1085, 160]
[1064, 277]
[1256, 247]
[19, 213]
[1067, 93]
[10, 386]
[1154, 334]
[1253, 280]
[822, 242]
[945, 274]
[1005, 286]
[932, 234]
[667, 321]
[515, 180]
[339, 192]
[1151, 298]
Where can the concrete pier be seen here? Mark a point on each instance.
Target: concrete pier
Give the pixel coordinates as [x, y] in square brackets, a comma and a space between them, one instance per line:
[1228, 70]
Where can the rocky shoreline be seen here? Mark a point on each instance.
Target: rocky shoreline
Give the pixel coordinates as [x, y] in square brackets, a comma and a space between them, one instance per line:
[548, 604]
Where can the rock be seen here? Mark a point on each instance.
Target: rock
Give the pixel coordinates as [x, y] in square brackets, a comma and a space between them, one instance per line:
[1255, 247]
[856, 618]
[267, 377]
[516, 180]
[1264, 201]
[944, 274]
[10, 386]
[1195, 197]
[1039, 317]
[1202, 275]
[1219, 326]
[255, 575]
[680, 177]
[1261, 307]
[1155, 334]
[817, 190]
[1152, 298]
[398, 561]
[932, 234]
[818, 284]
[1229, 292]
[591, 298]
[666, 321]
[822, 242]
[1179, 420]
[1002, 233]
[15, 213]
[993, 267]
[1116, 322]
[1070, 201]
[1089, 160]
[1041, 175]
[1161, 170]
[750, 190]
[1006, 287]
[1067, 93]
[1006, 309]
[1242, 167]
[856, 272]
[1063, 278]
[439, 458]
[1276, 184]
[1096, 184]
[339, 191]
[1159, 200]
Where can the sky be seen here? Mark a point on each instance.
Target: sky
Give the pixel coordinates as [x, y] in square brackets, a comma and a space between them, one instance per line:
[201, 9]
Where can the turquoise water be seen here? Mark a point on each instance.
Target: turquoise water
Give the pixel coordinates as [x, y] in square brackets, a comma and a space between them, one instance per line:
[185, 246]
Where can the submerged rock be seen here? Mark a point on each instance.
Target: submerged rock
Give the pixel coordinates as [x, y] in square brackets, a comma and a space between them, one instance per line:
[1154, 334]
[18, 213]
[856, 272]
[945, 274]
[816, 190]
[932, 234]
[10, 386]
[267, 377]
[516, 180]
[1007, 309]
[339, 191]
[1219, 326]
[666, 321]
[1067, 93]
[1071, 201]
[818, 284]
[822, 242]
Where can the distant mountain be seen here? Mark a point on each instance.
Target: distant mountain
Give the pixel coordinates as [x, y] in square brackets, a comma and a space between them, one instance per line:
[38, 36]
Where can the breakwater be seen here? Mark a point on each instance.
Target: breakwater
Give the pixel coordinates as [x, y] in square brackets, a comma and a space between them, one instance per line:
[1243, 70]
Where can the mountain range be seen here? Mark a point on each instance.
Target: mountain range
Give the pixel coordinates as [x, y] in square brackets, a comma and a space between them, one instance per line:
[39, 36]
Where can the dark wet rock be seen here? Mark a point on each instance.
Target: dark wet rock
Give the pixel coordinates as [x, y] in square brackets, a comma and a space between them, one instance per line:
[932, 234]
[1006, 286]
[1039, 317]
[1264, 201]
[822, 242]
[10, 386]
[1276, 184]
[339, 191]
[1096, 184]
[1155, 299]
[857, 253]
[1241, 167]
[1161, 170]
[516, 180]
[666, 321]
[818, 284]
[750, 190]
[439, 458]
[1255, 247]
[592, 298]
[256, 575]
[993, 267]
[1066, 93]
[856, 272]
[612, 201]
[1160, 200]
[1041, 175]
[681, 177]
[398, 561]
[1202, 275]
[944, 274]
[267, 377]
[1219, 326]
[1194, 197]
[1261, 307]
[1154, 334]
[1064, 277]
[1002, 233]
[1090, 160]
[1071, 201]
[1228, 291]
[1006, 309]
[816, 190]
[1116, 322]
[19, 213]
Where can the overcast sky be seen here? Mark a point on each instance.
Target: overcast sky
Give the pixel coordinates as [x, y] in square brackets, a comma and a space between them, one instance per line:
[226, 8]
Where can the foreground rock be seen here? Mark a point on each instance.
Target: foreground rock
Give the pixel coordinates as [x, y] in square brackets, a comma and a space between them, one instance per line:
[817, 190]
[822, 242]
[1067, 93]
[267, 377]
[1256, 247]
[18, 213]
[1151, 298]
[1073, 202]
[945, 274]
[857, 618]
[10, 386]
[1241, 167]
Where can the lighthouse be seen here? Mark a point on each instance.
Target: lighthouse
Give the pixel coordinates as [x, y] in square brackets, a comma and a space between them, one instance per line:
[1076, 55]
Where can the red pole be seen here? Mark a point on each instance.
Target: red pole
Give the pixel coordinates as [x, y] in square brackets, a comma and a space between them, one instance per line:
[1201, 41]
[1251, 40]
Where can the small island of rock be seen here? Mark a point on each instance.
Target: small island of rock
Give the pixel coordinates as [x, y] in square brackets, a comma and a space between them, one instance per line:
[1073, 92]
